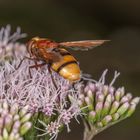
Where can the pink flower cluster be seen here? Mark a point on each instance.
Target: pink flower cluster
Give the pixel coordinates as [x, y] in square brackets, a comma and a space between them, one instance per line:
[38, 92]
[52, 100]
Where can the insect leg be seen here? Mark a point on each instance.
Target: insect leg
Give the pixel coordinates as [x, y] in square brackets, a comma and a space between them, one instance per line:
[35, 61]
[36, 66]
[53, 80]
[21, 61]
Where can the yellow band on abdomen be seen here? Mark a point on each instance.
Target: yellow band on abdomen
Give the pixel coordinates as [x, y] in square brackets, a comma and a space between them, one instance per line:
[65, 59]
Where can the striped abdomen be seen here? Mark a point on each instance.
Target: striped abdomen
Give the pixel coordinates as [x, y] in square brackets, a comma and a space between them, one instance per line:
[67, 67]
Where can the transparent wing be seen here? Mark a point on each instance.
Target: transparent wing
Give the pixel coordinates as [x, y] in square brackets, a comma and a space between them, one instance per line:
[55, 57]
[51, 55]
[83, 45]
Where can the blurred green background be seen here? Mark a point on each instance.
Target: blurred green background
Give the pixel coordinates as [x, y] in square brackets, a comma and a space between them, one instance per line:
[67, 20]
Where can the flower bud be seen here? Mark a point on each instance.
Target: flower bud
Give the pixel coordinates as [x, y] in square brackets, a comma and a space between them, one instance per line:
[109, 98]
[89, 103]
[4, 113]
[114, 107]
[14, 109]
[105, 90]
[129, 96]
[115, 117]
[25, 127]
[124, 99]
[11, 136]
[92, 116]
[98, 109]
[136, 100]
[23, 111]
[118, 95]
[106, 120]
[91, 87]
[5, 134]
[16, 126]
[123, 108]
[100, 98]
[106, 108]
[131, 110]
[5, 105]
[26, 118]
[89, 94]
[16, 117]
[122, 90]
[8, 122]
[17, 136]
[111, 90]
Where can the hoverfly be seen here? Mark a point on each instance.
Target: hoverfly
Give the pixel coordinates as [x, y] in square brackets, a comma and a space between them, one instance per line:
[57, 57]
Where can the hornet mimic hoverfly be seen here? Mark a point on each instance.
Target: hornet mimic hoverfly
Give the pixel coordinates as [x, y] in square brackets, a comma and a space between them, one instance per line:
[57, 57]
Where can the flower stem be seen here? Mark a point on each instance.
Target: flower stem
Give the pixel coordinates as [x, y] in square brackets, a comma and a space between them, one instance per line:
[89, 132]
[88, 135]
